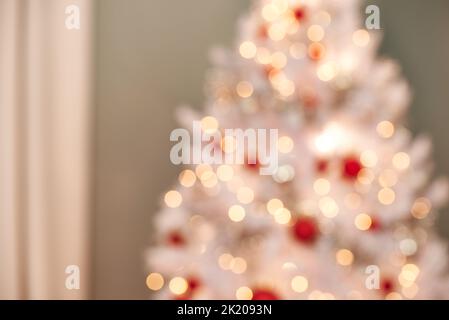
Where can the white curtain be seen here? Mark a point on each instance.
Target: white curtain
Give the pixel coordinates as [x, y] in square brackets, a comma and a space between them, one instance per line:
[44, 150]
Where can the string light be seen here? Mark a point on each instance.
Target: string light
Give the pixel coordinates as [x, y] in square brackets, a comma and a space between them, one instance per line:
[155, 281]
[361, 38]
[244, 89]
[315, 33]
[386, 196]
[421, 208]
[298, 50]
[236, 213]
[178, 285]
[363, 221]
[173, 199]
[299, 284]
[225, 261]
[365, 176]
[388, 178]
[248, 50]
[225, 173]
[209, 179]
[408, 247]
[274, 205]
[270, 12]
[328, 207]
[187, 178]
[344, 257]
[244, 293]
[278, 60]
[282, 216]
[238, 265]
[385, 129]
[276, 32]
[285, 144]
[368, 158]
[316, 51]
[209, 124]
[401, 161]
[327, 71]
[202, 169]
[263, 55]
[245, 195]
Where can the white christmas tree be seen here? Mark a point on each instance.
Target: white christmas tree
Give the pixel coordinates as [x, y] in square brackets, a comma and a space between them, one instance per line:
[348, 213]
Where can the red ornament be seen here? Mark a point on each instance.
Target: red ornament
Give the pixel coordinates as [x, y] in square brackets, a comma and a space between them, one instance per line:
[300, 14]
[252, 164]
[351, 168]
[322, 165]
[264, 294]
[305, 230]
[387, 286]
[175, 238]
[375, 224]
[263, 32]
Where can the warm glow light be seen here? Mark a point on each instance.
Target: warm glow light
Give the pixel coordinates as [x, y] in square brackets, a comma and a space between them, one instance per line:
[282, 216]
[270, 12]
[344, 257]
[273, 205]
[155, 281]
[178, 285]
[238, 265]
[276, 32]
[316, 51]
[363, 221]
[421, 208]
[244, 89]
[361, 38]
[411, 291]
[225, 261]
[299, 284]
[365, 176]
[245, 195]
[263, 55]
[401, 161]
[385, 129]
[209, 124]
[248, 50]
[329, 139]
[315, 33]
[202, 169]
[388, 178]
[278, 60]
[386, 196]
[209, 179]
[285, 144]
[187, 178]
[225, 173]
[408, 247]
[298, 50]
[322, 187]
[369, 158]
[328, 207]
[244, 293]
[236, 213]
[327, 71]
[173, 199]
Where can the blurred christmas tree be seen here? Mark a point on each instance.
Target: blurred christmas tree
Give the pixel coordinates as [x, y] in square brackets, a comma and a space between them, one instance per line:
[349, 211]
